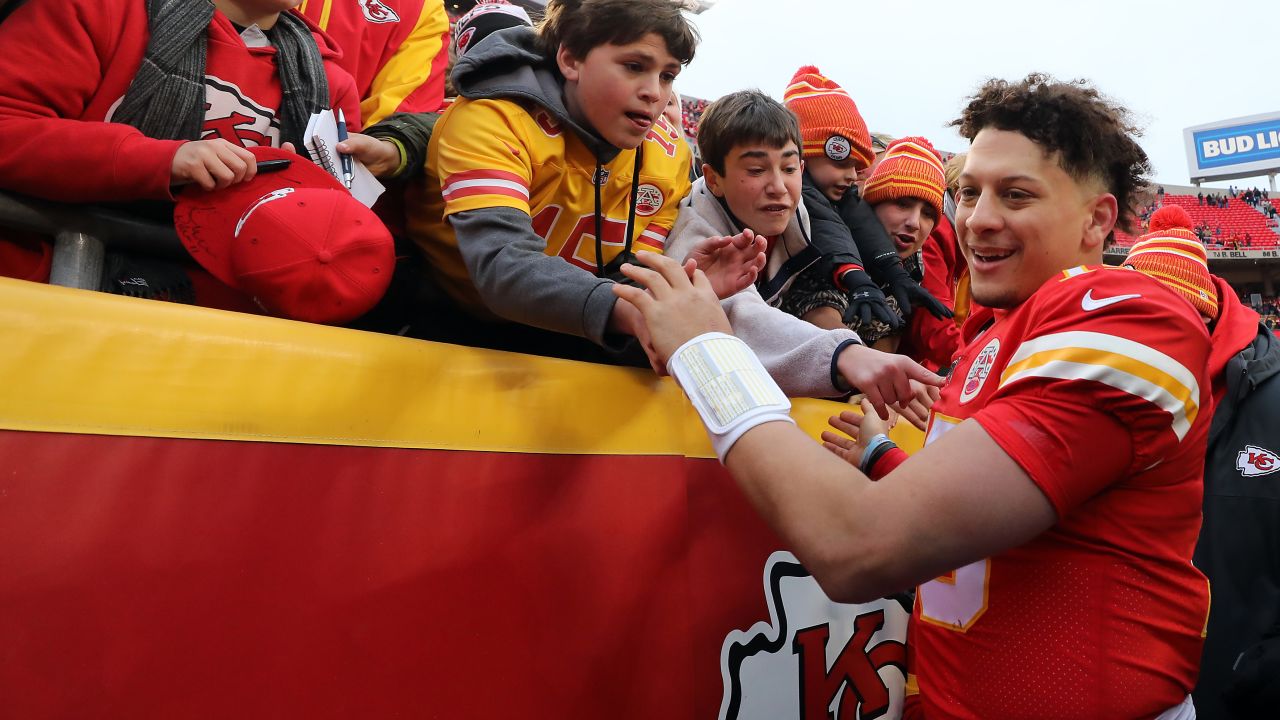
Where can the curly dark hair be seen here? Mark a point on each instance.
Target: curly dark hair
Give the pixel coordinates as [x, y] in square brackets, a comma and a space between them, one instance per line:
[1093, 135]
[582, 25]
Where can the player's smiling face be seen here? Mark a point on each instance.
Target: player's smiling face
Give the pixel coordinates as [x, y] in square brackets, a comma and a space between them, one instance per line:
[1021, 218]
[619, 90]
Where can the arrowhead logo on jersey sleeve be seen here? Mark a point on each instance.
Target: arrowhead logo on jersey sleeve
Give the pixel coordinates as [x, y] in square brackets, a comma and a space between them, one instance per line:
[815, 659]
[1255, 461]
[649, 200]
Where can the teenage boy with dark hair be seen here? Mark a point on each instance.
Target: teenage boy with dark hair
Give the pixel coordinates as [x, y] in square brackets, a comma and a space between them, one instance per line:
[1062, 578]
[750, 145]
[553, 166]
[119, 100]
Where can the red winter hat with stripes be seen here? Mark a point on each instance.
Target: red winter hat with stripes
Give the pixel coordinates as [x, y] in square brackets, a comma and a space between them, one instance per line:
[830, 124]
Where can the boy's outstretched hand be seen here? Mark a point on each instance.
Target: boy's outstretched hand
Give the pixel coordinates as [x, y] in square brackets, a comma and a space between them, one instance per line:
[731, 263]
[857, 431]
[678, 303]
[884, 378]
[212, 164]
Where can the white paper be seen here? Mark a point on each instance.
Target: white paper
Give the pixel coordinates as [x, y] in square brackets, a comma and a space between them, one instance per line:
[322, 134]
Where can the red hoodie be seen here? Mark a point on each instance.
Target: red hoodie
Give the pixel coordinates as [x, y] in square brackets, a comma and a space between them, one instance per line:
[928, 340]
[1235, 330]
[65, 67]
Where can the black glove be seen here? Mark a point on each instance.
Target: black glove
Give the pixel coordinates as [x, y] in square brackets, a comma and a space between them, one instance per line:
[906, 291]
[866, 301]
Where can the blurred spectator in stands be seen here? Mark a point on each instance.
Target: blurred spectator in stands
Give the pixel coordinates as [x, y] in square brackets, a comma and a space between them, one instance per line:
[859, 255]
[1240, 665]
[879, 143]
[751, 185]
[1200, 198]
[174, 107]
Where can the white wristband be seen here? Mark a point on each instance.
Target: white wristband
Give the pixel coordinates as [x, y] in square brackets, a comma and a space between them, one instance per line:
[728, 386]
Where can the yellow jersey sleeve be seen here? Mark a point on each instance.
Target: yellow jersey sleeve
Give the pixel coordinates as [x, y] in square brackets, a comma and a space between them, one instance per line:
[667, 162]
[483, 160]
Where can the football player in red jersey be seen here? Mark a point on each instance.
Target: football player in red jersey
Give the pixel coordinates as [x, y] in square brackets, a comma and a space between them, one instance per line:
[1050, 520]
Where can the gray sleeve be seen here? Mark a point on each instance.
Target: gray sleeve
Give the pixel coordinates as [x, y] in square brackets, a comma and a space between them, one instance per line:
[518, 281]
[797, 354]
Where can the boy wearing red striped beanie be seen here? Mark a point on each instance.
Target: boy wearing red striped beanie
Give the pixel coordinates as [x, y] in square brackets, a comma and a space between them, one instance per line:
[837, 144]
[859, 258]
[905, 190]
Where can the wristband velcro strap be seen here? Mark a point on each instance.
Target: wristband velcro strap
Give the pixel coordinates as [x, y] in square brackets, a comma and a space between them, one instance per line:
[728, 386]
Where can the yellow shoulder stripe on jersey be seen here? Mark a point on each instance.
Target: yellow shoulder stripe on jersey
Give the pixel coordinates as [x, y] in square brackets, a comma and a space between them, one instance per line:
[1120, 363]
[91, 363]
[1076, 271]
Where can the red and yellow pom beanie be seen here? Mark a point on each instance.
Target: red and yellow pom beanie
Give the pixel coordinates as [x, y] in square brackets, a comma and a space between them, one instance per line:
[1172, 254]
[911, 168]
[830, 124]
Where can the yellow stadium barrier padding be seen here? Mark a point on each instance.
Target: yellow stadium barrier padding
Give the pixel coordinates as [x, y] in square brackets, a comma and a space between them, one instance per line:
[83, 362]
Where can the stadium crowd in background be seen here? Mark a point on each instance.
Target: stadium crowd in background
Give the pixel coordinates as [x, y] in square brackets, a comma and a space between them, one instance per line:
[848, 264]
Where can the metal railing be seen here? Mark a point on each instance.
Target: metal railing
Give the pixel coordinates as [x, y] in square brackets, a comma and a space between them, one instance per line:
[83, 233]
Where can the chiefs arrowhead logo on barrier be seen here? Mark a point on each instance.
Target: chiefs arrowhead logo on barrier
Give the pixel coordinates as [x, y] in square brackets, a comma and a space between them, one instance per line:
[781, 670]
[1255, 461]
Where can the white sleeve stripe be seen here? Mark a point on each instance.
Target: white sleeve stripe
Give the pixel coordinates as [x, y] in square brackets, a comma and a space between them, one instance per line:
[465, 184]
[1103, 342]
[1120, 380]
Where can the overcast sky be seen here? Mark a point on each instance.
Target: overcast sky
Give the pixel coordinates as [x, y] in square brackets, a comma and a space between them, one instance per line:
[909, 64]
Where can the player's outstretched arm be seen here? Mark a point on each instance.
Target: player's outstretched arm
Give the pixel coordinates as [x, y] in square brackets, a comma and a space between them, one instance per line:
[959, 500]
[955, 502]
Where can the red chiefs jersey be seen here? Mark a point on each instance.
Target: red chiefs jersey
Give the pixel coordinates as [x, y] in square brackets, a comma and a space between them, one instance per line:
[66, 66]
[1097, 387]
[396, 50]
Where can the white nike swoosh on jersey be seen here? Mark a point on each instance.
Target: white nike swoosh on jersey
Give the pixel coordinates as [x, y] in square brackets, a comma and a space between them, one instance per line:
[1088, 303]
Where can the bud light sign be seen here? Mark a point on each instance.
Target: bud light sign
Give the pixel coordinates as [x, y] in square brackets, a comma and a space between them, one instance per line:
[1234, 148]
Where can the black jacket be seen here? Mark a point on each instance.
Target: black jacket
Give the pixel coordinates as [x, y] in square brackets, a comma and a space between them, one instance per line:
[846, 232]
[1239, 546]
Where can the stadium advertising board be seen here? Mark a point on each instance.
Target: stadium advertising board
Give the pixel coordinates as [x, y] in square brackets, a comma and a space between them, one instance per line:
[1235, 148]
[1269, 254]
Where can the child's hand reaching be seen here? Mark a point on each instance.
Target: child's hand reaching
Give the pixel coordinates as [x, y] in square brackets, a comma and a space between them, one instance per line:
[857, 432]
[731, 263]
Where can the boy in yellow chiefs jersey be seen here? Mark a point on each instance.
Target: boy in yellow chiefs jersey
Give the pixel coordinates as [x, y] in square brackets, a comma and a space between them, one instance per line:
[555, 163]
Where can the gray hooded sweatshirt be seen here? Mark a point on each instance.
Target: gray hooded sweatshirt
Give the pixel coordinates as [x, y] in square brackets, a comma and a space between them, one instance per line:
[506, 259]
[799, 355]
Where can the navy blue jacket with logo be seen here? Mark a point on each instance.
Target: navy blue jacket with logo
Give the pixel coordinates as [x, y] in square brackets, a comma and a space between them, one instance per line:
[1239, 545]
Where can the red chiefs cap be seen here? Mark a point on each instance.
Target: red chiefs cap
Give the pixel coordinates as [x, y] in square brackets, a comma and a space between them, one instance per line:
[295, 239]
